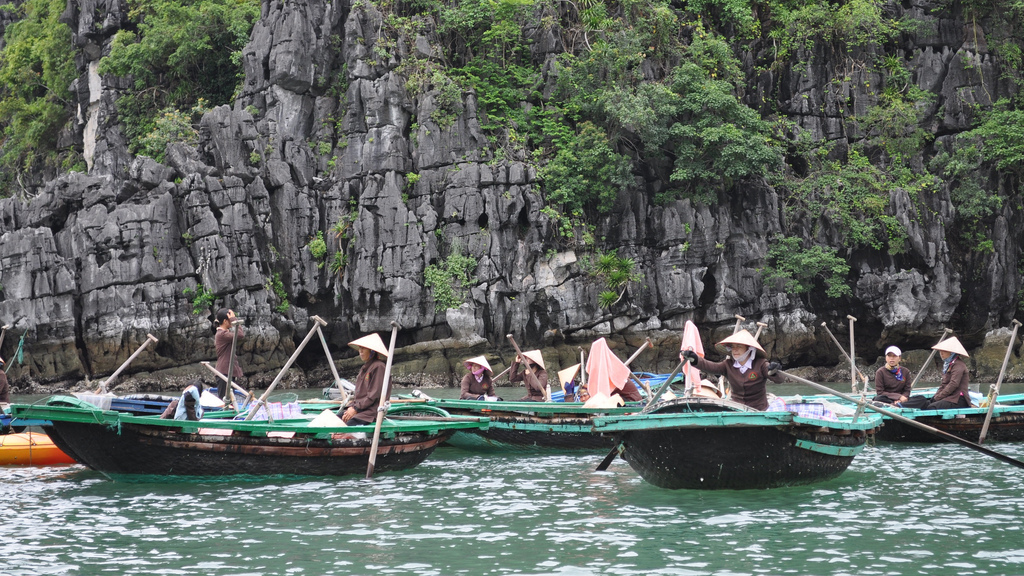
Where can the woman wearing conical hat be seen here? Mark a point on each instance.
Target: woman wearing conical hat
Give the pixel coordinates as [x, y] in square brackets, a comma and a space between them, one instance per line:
[477, 383]
[745, 368]
[536, 383]
[953, 392]
[362, 406]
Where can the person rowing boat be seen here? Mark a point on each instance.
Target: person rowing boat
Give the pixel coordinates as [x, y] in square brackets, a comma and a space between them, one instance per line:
[745, 368]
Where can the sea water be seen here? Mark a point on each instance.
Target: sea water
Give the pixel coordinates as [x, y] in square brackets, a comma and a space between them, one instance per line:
[898, 509]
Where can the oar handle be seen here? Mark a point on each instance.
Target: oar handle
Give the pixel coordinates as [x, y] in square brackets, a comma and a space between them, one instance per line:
[927, 362]
[149, 338]
[993, 392]
[385, 393]
[547, 393]
[843, 350]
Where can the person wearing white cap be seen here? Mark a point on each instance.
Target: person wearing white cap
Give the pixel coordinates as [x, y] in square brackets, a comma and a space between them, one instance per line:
[745, 368]
[892, 381]
[536, 383]
[362, 405]
[477, 383]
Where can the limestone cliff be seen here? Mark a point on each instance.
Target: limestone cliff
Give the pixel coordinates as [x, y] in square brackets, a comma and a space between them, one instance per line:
[92, 262]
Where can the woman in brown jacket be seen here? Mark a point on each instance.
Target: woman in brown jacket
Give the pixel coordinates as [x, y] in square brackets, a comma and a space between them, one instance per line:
[953, 391]
[536, 383]
[223, 336]
[745, 368]
[477, 383]
[362, 405]
[892, 381]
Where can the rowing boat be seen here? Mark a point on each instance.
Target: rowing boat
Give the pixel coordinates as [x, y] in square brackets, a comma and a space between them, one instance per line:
[120, 444]
[31, 449]
[703, 443]
[529, 426]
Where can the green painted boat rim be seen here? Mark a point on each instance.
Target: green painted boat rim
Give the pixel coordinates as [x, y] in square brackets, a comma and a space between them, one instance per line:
[70, 409]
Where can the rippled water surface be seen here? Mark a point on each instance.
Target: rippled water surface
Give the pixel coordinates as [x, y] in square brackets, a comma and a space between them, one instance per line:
[897, 510]
[931, 509]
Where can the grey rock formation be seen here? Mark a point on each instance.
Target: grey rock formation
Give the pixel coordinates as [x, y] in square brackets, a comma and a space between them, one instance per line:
[325, 137]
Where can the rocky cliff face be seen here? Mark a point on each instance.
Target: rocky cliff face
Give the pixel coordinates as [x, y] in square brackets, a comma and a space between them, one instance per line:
[325, 137]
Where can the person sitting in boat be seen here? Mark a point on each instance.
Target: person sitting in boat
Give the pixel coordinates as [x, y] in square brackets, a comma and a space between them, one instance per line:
[537, 382]
[953, 390]
[892, 381]
[477, 384]
[222, 339]
[5, 387]
[362, 405]
[745, 368]
[188, 406]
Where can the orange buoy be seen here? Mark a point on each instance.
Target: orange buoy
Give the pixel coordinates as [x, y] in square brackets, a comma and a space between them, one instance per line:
[31, 449]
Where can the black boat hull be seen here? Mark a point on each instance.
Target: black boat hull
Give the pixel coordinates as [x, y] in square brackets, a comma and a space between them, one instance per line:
[157, 451]
[737, 458]
[1006, 427]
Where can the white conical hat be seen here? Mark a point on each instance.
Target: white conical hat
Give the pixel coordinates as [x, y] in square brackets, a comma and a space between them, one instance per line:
[742, 337]
[480, 361]
[953, 345]
[568, 374]
[535, 355]
[372, 342]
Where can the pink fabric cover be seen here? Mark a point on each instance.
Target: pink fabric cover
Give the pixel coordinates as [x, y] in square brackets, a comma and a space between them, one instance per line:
[691, 341]
[605, 372]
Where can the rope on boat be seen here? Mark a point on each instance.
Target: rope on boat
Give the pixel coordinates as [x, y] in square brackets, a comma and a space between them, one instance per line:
[19, 354]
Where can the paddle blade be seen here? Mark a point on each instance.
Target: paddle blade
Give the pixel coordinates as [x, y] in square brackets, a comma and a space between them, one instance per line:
[609, 459]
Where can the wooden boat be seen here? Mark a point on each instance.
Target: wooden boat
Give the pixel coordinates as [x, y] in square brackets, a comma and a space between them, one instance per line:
[1006, 425]
[31, 449]
[711, 444]
[529, 426]
[118, 443]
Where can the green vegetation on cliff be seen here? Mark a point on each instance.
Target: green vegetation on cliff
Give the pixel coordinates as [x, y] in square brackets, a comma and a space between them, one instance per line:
[36, 68]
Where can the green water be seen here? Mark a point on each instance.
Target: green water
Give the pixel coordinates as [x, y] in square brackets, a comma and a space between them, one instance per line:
[932, 509]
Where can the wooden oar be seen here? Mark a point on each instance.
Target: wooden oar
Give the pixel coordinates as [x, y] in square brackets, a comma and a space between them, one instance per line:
[503, 372]
[235, 323]
[945, 332]
[547, 392]
[760, 327]
[845, 353]
[723, 389]
[330, 362]
[382, 406]
[3, 332]
[933, 431]
[103, 386]
[318, 321]
[993, 392]
[233, 385]
[583, 369]
[642, 347]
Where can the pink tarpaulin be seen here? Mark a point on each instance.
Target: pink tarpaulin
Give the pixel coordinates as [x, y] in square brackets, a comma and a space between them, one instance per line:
[605, 372]
[691, 341]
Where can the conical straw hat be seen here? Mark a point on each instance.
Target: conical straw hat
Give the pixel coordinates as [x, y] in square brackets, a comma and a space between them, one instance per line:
[536, 357]
[953, 345]
[480, 361]
[742, 337]
[372, 342]
[565, 376]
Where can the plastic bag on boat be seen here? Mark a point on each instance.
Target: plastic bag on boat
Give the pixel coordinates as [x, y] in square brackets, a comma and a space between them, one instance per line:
[327, 419]
[279, 411]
